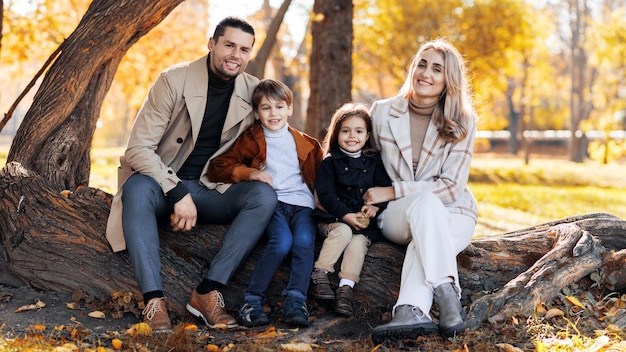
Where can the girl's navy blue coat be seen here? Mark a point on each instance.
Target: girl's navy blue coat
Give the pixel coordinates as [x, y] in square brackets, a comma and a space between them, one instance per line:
[341, 182]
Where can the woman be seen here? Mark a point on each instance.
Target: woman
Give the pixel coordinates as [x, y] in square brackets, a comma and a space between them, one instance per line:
[426, 138]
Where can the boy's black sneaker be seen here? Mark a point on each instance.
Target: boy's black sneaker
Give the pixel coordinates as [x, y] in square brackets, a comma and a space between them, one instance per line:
[295, 311]
[251, 313]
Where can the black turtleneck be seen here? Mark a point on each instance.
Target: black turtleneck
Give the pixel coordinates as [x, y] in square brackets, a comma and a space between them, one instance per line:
[218, 99]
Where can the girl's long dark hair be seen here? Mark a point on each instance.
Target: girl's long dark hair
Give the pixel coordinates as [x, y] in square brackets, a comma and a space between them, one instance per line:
[331, 141]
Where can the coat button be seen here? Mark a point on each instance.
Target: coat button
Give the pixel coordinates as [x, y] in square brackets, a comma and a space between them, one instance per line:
[179, 140]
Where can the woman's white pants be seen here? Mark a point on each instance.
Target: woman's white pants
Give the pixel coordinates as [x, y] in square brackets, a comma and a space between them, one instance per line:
[434, 237]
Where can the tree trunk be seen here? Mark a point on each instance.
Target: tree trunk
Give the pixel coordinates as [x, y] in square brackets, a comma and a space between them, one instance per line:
[331, 63]
[55, 242]
[54, 139]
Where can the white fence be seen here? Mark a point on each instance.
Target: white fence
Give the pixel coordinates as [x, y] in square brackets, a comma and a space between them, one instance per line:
[552, 135]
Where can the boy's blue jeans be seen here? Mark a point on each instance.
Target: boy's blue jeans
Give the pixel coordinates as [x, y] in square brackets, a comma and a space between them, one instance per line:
[291, 230]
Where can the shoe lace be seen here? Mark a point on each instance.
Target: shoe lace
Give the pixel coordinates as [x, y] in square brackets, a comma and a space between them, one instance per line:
[152, 308]
[219, 301]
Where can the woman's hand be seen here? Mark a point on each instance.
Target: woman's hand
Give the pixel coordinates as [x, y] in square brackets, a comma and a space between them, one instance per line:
[377, 195]
[369, 210]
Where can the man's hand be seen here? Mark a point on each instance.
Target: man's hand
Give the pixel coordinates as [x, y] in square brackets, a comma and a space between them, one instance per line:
[185, 214]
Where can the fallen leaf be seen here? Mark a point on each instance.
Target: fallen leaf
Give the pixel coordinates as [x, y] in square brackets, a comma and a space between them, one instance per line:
[73, 305]
[600, 344]
[464, 349]
[117, 344]
[5, 297]
[554, 312]
[38, 305]
[575, 301]
[39, 327]
[508, 348]
[96, 314]
[296, 347]
[139, 329]
[213, 348]
[541, 309]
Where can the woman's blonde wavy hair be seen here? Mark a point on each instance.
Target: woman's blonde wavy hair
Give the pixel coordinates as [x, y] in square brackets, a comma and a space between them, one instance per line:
[455, 107]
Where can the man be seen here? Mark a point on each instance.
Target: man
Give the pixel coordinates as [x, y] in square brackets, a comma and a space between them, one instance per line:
[193, 112]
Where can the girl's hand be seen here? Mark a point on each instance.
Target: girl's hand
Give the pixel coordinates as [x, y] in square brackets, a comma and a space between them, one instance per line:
[258, 175]
[352, 219]
[377, 195]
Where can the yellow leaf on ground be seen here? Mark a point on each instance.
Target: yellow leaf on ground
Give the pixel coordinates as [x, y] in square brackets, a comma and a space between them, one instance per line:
[541, 309]
[575, 301]
[139, 329]
[213, 348]
[72, 305]
[189, 326]
[117, 344]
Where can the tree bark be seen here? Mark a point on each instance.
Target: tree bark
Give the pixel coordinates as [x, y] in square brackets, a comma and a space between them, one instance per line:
[55, 242]
[331, 63]
[54, 139]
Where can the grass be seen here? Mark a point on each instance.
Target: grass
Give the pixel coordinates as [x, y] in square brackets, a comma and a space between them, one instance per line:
[512, 195]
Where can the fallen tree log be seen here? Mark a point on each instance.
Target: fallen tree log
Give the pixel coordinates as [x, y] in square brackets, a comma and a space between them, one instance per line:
[54, 241]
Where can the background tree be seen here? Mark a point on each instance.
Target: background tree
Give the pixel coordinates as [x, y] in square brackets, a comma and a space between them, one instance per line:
[609, 91]
[582, 75]
[331, 63]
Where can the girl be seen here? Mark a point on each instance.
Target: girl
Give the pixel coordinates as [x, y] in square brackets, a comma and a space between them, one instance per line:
[350, 167]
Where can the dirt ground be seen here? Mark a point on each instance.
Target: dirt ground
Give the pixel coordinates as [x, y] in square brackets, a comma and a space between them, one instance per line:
[55, 313]
[328, 331]
[51, 310]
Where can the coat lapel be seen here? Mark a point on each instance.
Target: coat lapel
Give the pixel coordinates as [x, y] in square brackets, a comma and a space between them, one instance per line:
[195, 93]
[400, 127]
[239, 106]
[431, 145]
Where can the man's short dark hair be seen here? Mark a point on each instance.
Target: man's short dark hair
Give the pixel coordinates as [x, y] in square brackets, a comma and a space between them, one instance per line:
[234, 22]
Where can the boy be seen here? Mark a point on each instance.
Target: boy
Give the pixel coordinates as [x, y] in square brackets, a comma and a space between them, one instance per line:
[273, 152]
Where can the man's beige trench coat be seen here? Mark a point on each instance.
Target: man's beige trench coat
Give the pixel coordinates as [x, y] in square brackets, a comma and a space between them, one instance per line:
[166, 129]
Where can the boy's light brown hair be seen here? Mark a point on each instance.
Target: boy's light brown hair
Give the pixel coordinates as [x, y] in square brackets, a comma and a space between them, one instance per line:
[273, 90]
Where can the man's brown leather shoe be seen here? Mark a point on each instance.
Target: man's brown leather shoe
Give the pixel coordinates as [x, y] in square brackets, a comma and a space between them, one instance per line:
[155, 315]
[210, 307]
